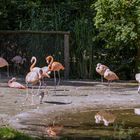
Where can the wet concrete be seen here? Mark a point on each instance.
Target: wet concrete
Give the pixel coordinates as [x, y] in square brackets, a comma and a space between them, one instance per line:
[70, 97]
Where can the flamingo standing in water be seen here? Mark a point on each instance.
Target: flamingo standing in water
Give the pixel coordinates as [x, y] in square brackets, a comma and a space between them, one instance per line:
[100, 68]
[110, 76]
[54, 66]
[4, 63]
[13, 84]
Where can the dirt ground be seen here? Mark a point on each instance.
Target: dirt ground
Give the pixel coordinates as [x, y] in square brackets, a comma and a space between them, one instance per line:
[70, 96]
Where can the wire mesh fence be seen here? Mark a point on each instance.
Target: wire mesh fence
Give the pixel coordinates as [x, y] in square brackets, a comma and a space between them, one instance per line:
[28, 44]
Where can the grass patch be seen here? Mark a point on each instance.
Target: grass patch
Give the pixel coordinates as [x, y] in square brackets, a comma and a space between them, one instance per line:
[11, 134]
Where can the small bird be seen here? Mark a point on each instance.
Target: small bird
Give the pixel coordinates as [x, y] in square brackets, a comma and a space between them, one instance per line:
[13, 84]
[100, 68]
[54, 66]
[110, 76]
[137, 77]
[4, 63]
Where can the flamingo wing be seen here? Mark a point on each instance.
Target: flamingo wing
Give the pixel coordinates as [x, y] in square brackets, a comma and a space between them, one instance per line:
[3, 62]
[56, 66]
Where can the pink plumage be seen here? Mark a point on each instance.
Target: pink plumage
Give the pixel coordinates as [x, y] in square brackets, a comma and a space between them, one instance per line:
[13, 84]
[110, 75]
[100, 68]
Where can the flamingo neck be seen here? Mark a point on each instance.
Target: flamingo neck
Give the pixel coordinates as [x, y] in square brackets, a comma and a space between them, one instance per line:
[11, 81]
[51, 61]
[34, 62]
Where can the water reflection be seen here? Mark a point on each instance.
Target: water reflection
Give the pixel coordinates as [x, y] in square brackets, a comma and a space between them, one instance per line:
[113, 124]
[104, 116]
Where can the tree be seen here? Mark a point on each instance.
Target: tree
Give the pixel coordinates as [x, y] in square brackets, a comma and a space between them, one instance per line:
[118, 22]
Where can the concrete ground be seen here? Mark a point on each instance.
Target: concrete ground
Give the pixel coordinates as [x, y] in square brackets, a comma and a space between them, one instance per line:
[70, 96]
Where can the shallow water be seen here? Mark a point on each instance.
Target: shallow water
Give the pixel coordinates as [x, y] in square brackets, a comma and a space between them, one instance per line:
[81, 125]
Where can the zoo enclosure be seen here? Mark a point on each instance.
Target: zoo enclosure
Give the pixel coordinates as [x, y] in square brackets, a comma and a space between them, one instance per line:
[29, 43]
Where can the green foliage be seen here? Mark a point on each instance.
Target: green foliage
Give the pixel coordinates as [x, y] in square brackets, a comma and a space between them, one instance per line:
[118, 21]
[11, 134]
[100, 31]
[121, 132]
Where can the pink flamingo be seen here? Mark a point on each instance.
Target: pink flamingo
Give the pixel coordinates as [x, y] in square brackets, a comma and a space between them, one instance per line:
[54, 66]
[18, 61]
[33, 77]
[37, 69]
[4, 63]
[101, 70]
[137, 77]
[13, 84]
[110, 76]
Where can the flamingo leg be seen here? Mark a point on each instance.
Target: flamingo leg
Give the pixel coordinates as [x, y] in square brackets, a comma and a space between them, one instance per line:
[54, 82]
[32, 99]
[0, 73]
[109, 86]
[139, 88]
[102, 79]
[27, 93]
[36, 93]
[39, 87]
[18, 68]
[58, 78]
[7, 71]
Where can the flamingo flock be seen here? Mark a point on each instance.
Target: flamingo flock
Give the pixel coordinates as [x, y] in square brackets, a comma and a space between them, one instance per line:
[105, 72]
[37, 74]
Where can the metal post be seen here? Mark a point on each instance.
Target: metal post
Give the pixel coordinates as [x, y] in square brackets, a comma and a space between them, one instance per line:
[66, 56]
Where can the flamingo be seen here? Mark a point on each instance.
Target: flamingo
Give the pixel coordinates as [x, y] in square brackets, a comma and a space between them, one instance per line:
[13, 84]
[37, 69]
[44, 69]
[33, 77]
[137, 77]
[18, 60]
[100, 68]
[4, 63]
[46, 73]
[54, 66]
[110, 76]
